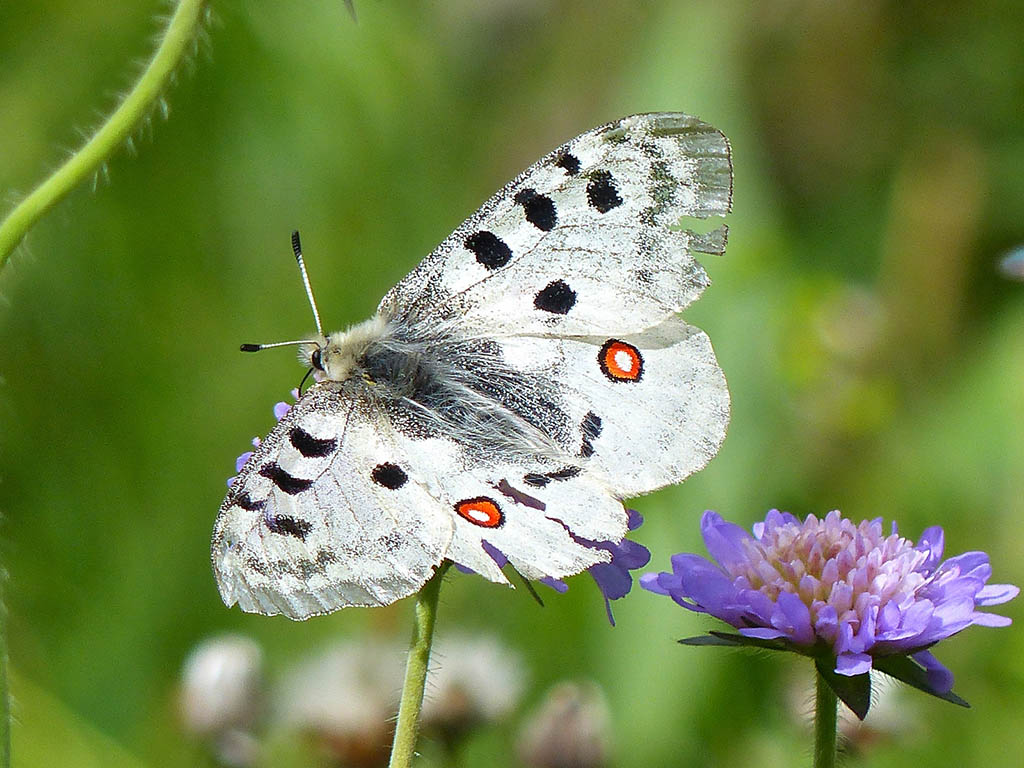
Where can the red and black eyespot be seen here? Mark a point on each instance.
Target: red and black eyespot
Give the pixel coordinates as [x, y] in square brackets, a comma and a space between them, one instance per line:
[480, 511]
[620, 361]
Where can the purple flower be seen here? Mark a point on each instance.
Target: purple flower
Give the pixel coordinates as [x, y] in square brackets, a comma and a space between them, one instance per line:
[612, 578]
[280, 409]
[829, 588]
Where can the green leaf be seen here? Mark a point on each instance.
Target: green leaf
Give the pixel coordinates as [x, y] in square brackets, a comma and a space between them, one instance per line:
[854, 692]
[907, 670]
[710, 640]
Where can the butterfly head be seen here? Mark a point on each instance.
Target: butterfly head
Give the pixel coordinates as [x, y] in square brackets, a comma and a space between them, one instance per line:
[338, 357]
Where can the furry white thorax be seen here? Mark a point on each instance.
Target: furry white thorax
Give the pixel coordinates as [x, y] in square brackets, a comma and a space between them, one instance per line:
[340, 352]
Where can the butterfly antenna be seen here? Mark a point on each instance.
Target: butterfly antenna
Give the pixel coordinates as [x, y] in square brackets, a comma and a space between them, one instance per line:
[297, 248]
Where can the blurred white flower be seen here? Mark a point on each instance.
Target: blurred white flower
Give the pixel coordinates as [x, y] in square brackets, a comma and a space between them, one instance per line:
[472, 680]
[570, 729]
[346, 698]
[222, 696]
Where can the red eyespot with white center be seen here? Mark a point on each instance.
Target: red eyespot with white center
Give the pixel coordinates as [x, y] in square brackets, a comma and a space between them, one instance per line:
[620, 361]
[480, 511]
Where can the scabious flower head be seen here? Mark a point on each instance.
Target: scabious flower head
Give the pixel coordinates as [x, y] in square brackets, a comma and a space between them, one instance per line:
[829, 586]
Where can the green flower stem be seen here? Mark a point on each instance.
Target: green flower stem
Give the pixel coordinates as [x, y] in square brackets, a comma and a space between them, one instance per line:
[177, 39]
[407, 728]
[826, 707]
[5, 700]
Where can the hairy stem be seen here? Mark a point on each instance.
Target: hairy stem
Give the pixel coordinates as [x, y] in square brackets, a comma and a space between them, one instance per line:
[407, 728]
[177, 38]
[826, 707]
[5, 699]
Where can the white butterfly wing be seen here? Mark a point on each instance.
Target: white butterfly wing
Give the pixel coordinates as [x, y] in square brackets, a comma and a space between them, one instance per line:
[328, 512]
[537, 514]
[651, 408]
[583, 241]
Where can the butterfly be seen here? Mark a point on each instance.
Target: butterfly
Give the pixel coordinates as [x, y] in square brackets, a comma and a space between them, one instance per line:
[509, 393]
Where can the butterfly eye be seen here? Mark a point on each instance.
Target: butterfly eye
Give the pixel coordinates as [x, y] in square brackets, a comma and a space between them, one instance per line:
[315, 361]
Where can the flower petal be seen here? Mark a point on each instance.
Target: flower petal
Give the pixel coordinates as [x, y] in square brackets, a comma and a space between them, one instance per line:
[939, 678]
[994, 594]
[932, 541]
[796, 618]
[851, 664]
[652, 583]
[763, 633]
[983, 619]
[724, 540]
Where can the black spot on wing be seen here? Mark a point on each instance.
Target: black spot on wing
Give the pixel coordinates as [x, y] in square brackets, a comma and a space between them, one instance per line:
[565, 473]
[246, 502]
[389, 475]
[491, 251]
[569, 162]
[289, 526]
[310, 446]
[539, 209]
[286, 482]
[538, 480]
[557, 298]
[591, 429]
[602, 194]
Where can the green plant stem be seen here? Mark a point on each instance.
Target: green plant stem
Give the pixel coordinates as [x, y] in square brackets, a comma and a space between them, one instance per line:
[826, 710]
[5, 697]
[177, 38]
[407, 728]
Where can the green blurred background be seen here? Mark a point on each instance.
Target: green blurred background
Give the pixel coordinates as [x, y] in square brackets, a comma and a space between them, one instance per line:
[874, 353]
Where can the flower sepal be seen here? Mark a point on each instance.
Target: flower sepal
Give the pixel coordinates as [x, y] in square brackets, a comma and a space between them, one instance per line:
[853, 690]
[909, 670]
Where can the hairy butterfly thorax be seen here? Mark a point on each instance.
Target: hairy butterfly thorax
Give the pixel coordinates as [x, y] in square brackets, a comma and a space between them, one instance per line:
[526, 377]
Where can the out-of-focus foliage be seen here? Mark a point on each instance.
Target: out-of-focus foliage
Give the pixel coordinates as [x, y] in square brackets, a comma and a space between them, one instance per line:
[875, 352]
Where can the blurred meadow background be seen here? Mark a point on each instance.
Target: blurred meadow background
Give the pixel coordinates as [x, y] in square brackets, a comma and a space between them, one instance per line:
[874, 351]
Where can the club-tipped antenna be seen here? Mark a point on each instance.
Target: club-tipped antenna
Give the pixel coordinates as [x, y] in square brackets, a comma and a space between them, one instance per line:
[258, 347]
[297, 248]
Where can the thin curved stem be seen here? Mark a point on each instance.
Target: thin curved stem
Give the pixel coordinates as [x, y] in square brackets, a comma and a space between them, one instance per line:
[407, 728]
[177, 38]
[826, 707]
[5, 700]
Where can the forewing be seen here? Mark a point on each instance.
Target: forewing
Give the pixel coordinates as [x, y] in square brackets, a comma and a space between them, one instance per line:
[328, 512]
[584, 241]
